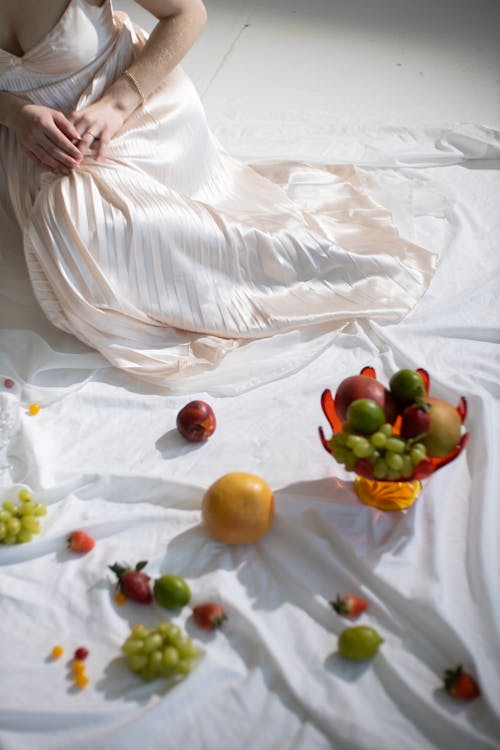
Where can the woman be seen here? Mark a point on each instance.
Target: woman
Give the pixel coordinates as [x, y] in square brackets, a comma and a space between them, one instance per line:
[142, 236]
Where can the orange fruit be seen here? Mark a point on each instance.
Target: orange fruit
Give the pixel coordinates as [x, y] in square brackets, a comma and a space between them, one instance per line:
[238, 508]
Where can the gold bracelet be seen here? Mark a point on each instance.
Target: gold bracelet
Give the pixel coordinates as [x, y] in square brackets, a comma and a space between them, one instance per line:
[132, 79]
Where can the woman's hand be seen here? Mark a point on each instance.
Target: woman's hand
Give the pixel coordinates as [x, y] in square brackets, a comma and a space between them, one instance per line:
[96, 125]
[46, 135]
[179, 23]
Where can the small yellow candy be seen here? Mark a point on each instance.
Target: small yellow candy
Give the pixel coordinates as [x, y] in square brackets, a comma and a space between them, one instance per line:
[78, 666]
[34, 409]
[81, 680]
[120, 598]
[57, 652]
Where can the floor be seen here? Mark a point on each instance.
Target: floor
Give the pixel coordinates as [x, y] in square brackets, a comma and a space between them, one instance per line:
[411, 59]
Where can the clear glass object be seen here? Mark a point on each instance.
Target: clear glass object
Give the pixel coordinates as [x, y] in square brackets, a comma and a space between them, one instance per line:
[391, 495]
[12, 467]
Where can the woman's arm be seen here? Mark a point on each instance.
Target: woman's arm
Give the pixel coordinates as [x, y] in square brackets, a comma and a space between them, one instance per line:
[44, 134]
[180, 23]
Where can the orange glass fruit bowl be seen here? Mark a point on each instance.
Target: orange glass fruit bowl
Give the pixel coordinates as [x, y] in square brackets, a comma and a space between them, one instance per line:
[384, 442]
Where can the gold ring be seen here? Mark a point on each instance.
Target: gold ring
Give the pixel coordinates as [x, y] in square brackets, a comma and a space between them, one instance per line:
[95, 137]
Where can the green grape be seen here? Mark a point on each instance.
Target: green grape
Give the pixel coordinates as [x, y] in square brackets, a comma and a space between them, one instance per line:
[133, 646]
[378, 439]
[395, 445]
[407, 468]
[417, 455]
[359, 445]
[155, 661]
[347, 427]
[137, 662]
[152, 642]
[19, 520]
[393, 474]
[186, 648]
[338, 439]
[14, 526]
[380, 469]
[163, 628]
[24, 536]
[174, 633]
[3, 530]
[31, 524]
[140, 631]
[337, 446]
[386, 429]
[394, 461]
[341, 454]
[352, 440]
[170, 657]
[183, 666]
[159, 652]
[363, 450]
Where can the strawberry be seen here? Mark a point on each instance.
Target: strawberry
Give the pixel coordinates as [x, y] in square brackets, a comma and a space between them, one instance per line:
[460, 684]
[79, 541]
[349, 606]
[133, 583]
[209, 615]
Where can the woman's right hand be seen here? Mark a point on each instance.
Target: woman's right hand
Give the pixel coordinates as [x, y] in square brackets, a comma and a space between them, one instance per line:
[47, 137]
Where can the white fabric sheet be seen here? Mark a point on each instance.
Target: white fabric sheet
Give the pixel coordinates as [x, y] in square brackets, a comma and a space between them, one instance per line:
[104, 455]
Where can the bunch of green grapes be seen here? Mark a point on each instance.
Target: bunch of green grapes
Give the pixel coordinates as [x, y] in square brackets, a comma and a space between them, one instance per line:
[163, 651]
[391, 457]
[19, 519]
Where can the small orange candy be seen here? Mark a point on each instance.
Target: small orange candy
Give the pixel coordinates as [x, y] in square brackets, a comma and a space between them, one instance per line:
[57, 652]
[78, 666]
[34, 409]
[120, 598]
[81, 680]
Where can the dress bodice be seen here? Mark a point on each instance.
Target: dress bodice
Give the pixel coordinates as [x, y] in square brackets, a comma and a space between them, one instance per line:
[63, 63]
[78, 38]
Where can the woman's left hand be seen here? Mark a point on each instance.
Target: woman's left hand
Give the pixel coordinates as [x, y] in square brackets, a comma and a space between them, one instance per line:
[97, 124]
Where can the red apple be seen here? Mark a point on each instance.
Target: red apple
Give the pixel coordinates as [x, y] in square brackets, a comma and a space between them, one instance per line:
[196, 421]
[361, 386]
[415, 420]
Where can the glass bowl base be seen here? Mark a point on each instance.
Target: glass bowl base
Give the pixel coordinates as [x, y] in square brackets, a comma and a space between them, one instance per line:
[387, 495]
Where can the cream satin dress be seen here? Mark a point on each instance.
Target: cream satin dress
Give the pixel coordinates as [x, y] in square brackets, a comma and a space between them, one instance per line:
[170, 253]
